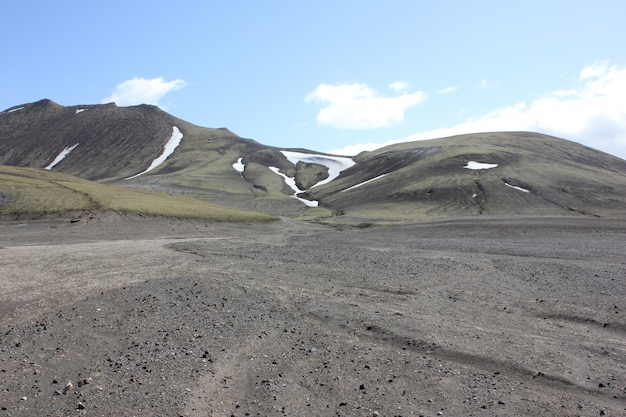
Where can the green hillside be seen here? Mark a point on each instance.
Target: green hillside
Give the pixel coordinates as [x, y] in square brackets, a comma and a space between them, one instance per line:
[32, 192]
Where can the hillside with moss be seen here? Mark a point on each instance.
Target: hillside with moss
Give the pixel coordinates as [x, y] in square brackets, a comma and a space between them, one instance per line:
[132, 148]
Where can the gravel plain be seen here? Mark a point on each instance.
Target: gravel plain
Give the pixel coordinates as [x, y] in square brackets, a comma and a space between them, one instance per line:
[110, 315]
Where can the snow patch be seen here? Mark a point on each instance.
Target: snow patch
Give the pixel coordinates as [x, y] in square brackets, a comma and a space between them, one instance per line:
[291, 182]
[363, 183]
[524, 190]
[479, 165]
[80, 110]
[168, 149]
[15, 109]
[61, 156]
[335, 164]
[239, 166]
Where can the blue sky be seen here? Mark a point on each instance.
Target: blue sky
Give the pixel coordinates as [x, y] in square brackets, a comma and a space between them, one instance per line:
[332, 75]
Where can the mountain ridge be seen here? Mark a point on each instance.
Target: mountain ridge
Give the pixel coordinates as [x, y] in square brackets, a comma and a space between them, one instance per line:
[533, 173]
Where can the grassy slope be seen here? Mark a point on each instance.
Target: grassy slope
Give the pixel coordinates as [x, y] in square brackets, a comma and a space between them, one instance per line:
[423, 179]
[202, 166]
[427, 179]
[29, 191]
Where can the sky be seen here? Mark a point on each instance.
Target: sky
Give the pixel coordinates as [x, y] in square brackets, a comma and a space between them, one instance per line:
[336, 76]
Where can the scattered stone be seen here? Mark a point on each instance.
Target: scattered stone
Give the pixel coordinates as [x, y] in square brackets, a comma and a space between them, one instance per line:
[338, 366]
[68, 387]
[85, 381]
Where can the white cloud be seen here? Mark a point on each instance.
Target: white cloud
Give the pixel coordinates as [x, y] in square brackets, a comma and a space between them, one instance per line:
[142, 91]
[594, 71]
[593, 113]
[357, 106]
[357, 148]
[448, 89]
[399, 86]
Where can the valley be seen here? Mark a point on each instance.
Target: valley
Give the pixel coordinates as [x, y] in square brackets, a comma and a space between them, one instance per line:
[137, 316]
[150, 266]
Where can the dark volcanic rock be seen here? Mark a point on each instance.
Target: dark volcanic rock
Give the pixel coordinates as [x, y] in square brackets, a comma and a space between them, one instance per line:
[467, 317]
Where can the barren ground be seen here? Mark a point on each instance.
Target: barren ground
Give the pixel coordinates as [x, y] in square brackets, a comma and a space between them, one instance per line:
[115, 316]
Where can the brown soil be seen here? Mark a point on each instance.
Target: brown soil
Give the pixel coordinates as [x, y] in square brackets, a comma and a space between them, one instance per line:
[108, 315]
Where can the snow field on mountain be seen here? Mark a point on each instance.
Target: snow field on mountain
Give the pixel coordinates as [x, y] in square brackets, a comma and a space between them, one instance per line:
[61, 156]
[168, 149]
[291, 182]
[335, 164]
[363, 183]
[479, 165]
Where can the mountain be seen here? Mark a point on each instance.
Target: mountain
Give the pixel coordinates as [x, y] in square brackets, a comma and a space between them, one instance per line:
[143, 147]
[487, 173]
[110, 142]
